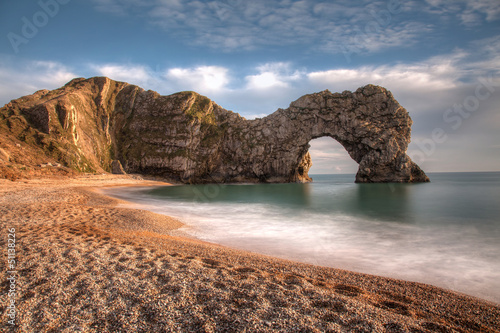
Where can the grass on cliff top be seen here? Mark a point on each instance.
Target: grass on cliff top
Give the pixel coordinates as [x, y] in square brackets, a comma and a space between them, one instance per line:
[200, 109]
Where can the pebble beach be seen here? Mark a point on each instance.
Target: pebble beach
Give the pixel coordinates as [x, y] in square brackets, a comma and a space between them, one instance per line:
[84, 262]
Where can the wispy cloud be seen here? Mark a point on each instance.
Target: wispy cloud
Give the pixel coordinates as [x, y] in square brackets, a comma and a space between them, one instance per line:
[137, 74]
[204, 79]
[267, 86]
[208, 80]
[340, 27]
[26, 77]
[426, 89]
[235, 25]
[330, 157]
[469, 12]
[273, 75]
[439, 73]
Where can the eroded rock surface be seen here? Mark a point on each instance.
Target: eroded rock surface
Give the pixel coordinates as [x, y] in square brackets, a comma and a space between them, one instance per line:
[88, 123]
[117, 168]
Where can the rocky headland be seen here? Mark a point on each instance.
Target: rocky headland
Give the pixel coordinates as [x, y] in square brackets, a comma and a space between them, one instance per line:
[98, 124]
[105, 267]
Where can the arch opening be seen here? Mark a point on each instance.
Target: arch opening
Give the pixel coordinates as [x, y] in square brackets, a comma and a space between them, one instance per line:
[330, 157]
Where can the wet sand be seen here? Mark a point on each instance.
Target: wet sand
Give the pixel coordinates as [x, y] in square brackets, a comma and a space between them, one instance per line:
[84, 264]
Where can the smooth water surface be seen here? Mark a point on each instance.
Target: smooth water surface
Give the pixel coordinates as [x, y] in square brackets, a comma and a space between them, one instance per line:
[445, 233]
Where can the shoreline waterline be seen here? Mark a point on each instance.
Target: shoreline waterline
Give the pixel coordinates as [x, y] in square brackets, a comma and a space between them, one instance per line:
[384, 242]
[93, 259]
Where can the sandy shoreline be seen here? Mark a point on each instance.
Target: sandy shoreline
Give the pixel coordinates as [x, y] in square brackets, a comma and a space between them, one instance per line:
[86, 265]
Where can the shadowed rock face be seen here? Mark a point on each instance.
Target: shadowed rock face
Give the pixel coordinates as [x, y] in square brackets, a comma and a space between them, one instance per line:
[187, 137]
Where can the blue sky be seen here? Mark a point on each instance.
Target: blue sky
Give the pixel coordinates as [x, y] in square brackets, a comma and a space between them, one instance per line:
[441, 60]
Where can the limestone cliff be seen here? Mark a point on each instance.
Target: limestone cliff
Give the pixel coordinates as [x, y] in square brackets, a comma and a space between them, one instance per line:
[88, 123]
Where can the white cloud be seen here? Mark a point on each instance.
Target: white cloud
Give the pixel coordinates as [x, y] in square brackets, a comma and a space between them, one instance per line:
[264, 80]
[26, 77]
[418, 86]
[340, 27]
[210, 80]
[273, 75]
[49, 72]
[469, 12]
[476, 9]
[426, 89]
[435, 74]
[328, 156]
[203, 79]
[235, 25]
[134, 74]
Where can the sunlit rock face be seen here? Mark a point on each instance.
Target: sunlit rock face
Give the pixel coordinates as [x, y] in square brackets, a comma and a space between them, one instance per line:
[89, 123]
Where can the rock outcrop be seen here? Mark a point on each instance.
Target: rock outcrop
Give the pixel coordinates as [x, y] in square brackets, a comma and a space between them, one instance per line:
[117, 168]
[88, 123]
[4, 156]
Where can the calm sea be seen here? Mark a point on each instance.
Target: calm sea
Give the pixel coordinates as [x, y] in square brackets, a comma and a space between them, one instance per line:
[446, 233]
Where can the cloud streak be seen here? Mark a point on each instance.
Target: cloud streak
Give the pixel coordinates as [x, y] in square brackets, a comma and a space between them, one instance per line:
[19, 79]
[469, 12]
[204, 79]
[273, 75]
[273, 84]
[330, 157]
[236, 25]
[130, 73]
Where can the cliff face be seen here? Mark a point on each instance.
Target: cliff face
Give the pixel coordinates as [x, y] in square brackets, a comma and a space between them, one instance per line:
[71, 125]
[87, 124]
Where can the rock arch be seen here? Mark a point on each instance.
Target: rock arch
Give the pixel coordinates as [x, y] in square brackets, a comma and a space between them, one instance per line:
[329, 156]
[88, 123]
[369, 123]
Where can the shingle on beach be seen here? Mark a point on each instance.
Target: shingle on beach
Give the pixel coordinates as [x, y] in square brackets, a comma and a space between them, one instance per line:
[85, 263]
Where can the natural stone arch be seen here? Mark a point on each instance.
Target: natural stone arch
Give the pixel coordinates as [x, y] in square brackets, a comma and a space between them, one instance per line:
[369, 123]
[328, 156]
[187, 137]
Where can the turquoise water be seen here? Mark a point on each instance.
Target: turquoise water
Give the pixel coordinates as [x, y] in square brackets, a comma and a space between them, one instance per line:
[446, 233]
